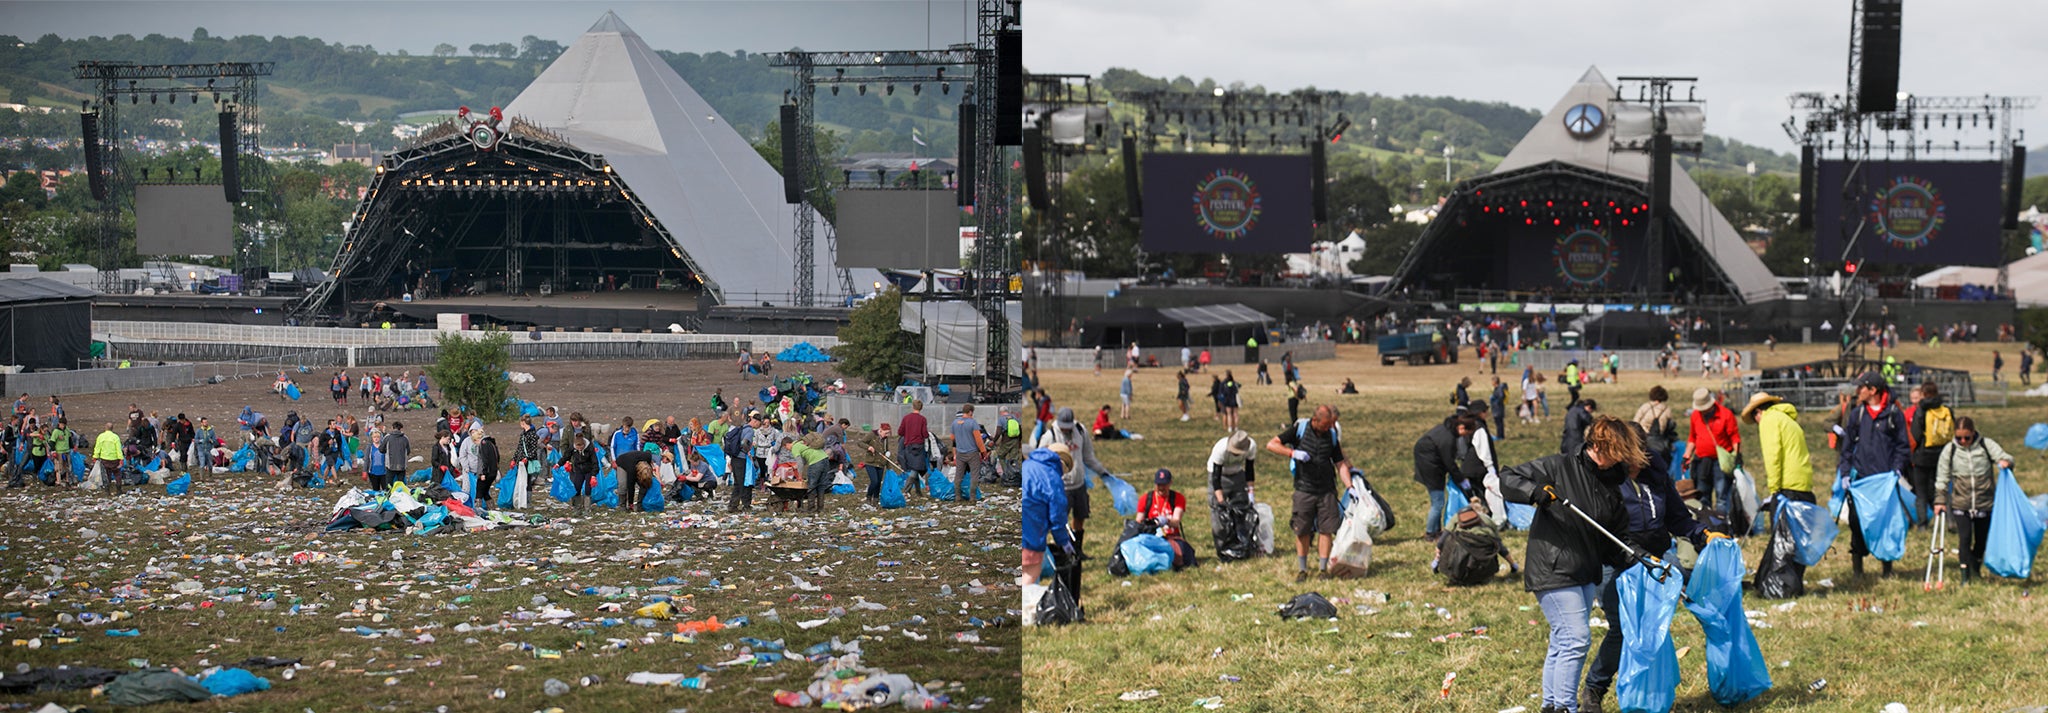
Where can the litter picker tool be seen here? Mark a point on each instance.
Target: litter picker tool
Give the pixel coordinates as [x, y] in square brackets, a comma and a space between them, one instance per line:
[1937, 558]
[1658, 567]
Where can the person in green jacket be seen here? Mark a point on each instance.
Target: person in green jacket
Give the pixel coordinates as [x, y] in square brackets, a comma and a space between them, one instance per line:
[1966, 481]
[38, 452]
[817, 463]
[60, 449]
[1788, 467]
[106, 449]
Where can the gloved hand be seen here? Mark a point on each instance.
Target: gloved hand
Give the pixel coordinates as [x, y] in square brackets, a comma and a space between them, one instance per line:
[1067, 550]
[1301, 455]
[1544, 497]
[1713, 535]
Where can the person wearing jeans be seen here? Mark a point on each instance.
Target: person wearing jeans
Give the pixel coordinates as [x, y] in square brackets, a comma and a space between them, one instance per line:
[1436, 455]
[1566, 551]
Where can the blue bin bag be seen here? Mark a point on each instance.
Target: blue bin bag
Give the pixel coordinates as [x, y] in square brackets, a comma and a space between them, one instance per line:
[844, 489]
[234, 682]
[292, 391]
[2015, 531]
[941, 488]
[654, 500]
[1813, 530]
[606, 493]
[754, 473]
[1520, 516]
[1147, 554]
[1454, 502]
[1736, 668]
[1648, 678]
[1882, 513]
[436, 516]
[1839, 492]
[2041, 507]
[243, 459]
[563, 488]
[2037, 436]
[1121, 494]
[419, 477]
[508, 485]
[1678, 465]
[463, 487]
[181, 486]
[892, 490]
[79, 465]
[315, 481]
[530, 409]
[714, 457]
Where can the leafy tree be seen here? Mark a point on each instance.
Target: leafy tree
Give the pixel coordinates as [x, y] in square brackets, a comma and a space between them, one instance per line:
[1385, 246]
[478, 49]
[26, 188]
[444, 50]
[535, 49]
[873, 346]
[470, 368]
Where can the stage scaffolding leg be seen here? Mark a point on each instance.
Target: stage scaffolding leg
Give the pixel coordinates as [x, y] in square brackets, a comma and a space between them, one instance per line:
[515, 235]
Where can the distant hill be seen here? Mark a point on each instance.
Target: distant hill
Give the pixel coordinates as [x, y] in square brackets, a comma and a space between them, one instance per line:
[318, 83]
[1419, 124]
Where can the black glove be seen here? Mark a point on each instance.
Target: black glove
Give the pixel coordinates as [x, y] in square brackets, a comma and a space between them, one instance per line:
[1544, 496]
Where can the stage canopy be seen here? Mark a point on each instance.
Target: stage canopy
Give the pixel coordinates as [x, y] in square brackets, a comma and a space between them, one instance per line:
[1563, 217]
[1204, 326]
[956, 335]
[609, 172]
[44, 324]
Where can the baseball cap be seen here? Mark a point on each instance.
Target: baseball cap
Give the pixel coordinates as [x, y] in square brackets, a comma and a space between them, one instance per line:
[1162, 477]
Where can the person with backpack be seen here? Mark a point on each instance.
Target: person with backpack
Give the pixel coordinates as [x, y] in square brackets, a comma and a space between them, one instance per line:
[1008, 449]
[1469, 555]
[1180, 393]
[1655, 514]
[1933, 428]
[397, 450]
[737, 443]
[1711, 448]
[1566, 553]
[60, 440]
[1873, 445]
[1320, 469]
[1577, 417]
[1436, 455]
[1497, 402]
[1659, 428]
[1163, 506]
[1461, 396]
[1967, 477]
[1573, 381]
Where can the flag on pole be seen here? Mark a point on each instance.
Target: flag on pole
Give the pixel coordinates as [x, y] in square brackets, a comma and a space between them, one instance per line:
[917, 136]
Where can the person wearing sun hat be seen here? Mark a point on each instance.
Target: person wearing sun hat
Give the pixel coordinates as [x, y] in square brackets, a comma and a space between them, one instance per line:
[1710, 448]
[1788, 467]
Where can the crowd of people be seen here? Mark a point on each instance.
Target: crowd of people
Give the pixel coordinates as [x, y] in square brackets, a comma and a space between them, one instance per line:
[786, 448]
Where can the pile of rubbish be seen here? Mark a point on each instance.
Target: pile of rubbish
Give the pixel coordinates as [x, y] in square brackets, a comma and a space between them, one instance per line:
[419, 511]
[802, 352]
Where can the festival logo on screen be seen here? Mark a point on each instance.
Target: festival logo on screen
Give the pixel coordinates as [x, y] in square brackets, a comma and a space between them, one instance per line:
[1585, 257]
[1908, 212]
[1227, 204]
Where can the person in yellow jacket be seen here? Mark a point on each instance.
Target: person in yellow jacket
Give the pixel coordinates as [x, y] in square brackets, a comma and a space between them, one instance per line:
[1788, 468]
[106, 450]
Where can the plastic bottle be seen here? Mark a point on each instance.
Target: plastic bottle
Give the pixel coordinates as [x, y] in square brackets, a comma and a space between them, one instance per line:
[696, 682]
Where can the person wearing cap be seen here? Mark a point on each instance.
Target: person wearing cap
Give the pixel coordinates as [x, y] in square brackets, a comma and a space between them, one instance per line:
[1788, 468]
[1577, 417]
[1163, 505]
[1710, 449]
[1231, 477]
[1320, 470]
[1066, 431]
[1045, 509]
[1873, 445]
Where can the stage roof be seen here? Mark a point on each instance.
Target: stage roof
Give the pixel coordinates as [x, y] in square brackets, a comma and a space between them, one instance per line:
[1215, 316]
[1550, 142]
[28, 290]
[610, 94]
[2027, 277]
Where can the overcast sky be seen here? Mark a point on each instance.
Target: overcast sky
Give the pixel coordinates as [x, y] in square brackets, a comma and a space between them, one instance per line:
[1748, 54]
[690, 26]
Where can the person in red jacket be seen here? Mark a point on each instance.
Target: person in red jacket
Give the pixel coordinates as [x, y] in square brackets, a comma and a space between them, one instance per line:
[1711, 447]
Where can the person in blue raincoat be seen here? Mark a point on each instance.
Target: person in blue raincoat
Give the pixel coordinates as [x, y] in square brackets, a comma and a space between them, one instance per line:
[1873, 443]
[1045, 508]
[1656, 515]
[1966, 481]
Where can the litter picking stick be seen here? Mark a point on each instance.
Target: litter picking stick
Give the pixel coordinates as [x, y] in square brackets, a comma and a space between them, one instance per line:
[1937, 558]
[1649, 561]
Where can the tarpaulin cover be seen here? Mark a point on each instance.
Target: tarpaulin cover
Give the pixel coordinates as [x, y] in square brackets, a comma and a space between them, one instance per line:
[1882, 513]
[1147, 554]
[1648, 678]
[802, 352]
[1736, 668]
[892, 490]
[2015, 531]
[1121, 494]
[1812, 529]
[234, 682]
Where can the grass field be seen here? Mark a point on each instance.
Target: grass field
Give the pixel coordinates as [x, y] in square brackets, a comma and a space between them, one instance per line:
[1212, 631]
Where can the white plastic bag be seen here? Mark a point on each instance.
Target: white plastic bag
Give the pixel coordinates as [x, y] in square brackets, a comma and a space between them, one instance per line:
[1265, 527]
[1351, 552]
[1745, 494]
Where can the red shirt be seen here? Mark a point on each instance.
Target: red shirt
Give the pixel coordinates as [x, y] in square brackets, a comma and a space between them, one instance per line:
[1151, 506]
[1719, 430]
[913, 428]
[1101, 421]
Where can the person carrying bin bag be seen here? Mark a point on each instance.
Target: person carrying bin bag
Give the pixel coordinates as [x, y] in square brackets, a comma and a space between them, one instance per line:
[1873, 445]
[1966, 481]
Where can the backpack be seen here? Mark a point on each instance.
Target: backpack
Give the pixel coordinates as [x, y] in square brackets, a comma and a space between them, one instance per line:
[1014, 428]
[1941, 427]
[1469, 556]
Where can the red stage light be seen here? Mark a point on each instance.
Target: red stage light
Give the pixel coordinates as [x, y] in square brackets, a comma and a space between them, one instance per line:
[1546, 204]
[1555, 221]
[1610, 204]
[1617, 211]
[1624, 222]
[1596, 222]
[1583, 204]
[1528, 221]
[1479, 193]
[1525, 204]
[1337, 138]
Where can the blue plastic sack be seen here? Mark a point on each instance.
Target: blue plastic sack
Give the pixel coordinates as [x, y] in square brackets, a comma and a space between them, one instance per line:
[563, 488]
[530, 409]
[234, 682]
[2037, 436]
[464, 487]
[79, 465]
[844, 489]
[508, 486]
[2041, 507]
[892, 490]
[315, 481]
[419, 477]
[1736, 668]
[1813, 530]
[1882, 513]
[654, 500]
[1122, 495]
[435, 516]
[1678, 465]
[2015, 531]
[941, 488]
[182, 485]
[753, 473]
[714, 457]
[1648, 678]
[1454, 502]
[606, 492]
[1147, 554]
[243, 459]
[1521, 517]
